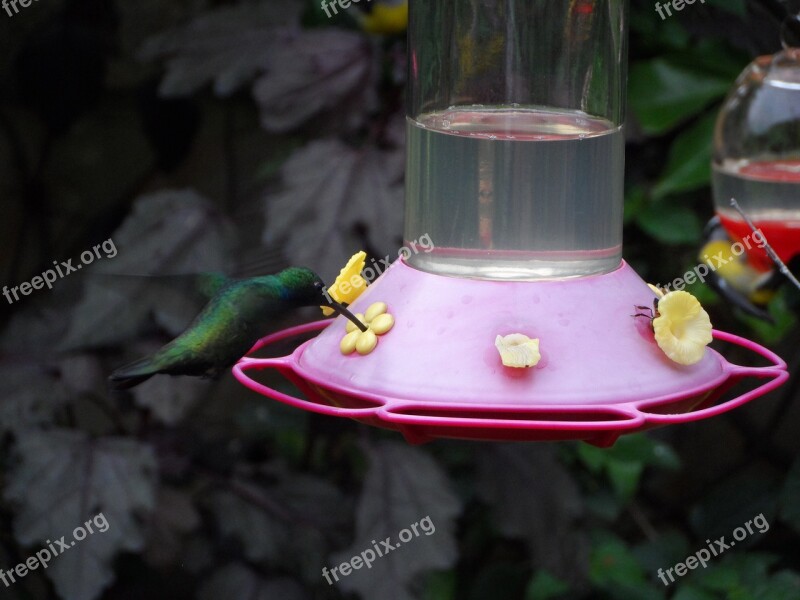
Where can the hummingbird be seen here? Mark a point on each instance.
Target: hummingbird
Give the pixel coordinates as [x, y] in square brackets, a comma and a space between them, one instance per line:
[235, 318]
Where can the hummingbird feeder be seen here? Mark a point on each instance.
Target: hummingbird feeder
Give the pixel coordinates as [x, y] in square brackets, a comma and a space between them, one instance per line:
[757, 154]
[518, 323]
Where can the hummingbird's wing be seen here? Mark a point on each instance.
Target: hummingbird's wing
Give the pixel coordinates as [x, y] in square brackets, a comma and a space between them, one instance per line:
[201, 285]
[261, 260]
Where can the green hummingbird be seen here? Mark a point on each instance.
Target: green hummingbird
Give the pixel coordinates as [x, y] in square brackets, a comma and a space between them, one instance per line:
[236, 317]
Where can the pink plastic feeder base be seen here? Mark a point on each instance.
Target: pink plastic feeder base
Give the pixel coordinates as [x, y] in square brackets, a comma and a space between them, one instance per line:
[437, 373]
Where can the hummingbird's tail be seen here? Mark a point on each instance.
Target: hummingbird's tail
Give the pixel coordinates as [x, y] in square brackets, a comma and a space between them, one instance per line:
[133, 374]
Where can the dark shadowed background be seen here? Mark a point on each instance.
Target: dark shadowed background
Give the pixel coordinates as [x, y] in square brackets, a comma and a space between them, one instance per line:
[241, 137]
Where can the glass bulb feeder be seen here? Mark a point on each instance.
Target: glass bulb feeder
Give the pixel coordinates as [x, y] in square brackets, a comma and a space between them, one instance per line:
[757, 152]
[514, 133]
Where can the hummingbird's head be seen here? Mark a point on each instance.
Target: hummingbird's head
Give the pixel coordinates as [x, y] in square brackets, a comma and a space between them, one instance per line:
[306, 288]
[302, 286]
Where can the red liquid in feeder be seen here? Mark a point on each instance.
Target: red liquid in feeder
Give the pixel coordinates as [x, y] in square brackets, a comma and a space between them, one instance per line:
[769, 192]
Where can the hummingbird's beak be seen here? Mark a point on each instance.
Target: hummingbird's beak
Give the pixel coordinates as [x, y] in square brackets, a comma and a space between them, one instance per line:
[339, 308]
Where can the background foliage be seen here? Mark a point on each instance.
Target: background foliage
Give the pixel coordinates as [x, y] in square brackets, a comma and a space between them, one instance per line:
[244, 136]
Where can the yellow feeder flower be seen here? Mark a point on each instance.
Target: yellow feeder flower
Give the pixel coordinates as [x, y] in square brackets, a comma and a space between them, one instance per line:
[378, 322]
[349, 285]
[518, 351]
[682, 328]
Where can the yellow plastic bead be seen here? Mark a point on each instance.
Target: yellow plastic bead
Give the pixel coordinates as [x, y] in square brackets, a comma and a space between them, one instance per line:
[374, 310]
[382, 323]
[366, 342]
[350, 327]
[348, 343]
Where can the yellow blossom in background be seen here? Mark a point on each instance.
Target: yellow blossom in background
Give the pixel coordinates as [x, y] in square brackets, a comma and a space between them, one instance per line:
[385, 18]
[737, 272]
[349, 285]
[682, 328]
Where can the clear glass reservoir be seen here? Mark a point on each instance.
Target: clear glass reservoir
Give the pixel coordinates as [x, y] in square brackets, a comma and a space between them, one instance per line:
[515, 161]
[757, 154]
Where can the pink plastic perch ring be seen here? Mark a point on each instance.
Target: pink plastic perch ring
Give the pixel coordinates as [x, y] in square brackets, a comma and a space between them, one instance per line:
[421, 421]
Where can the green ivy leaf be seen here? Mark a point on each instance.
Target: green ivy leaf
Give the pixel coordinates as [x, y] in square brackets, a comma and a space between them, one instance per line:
[737, 7]
[640, 447]
[783, 315]
[669, 548]
[734, 502]
[658, 34]
[604, 505]
[624, 477]
[690, 592]
[784, 585]
[737, 575]
[716, 59]
[671, 224]
[441, 586]
[689, 164]
[625, 461]
[543, 586]
[613, 563]
[594, 458]
[635, 201]
[720, 578]
[616, 570]
[663, 93]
